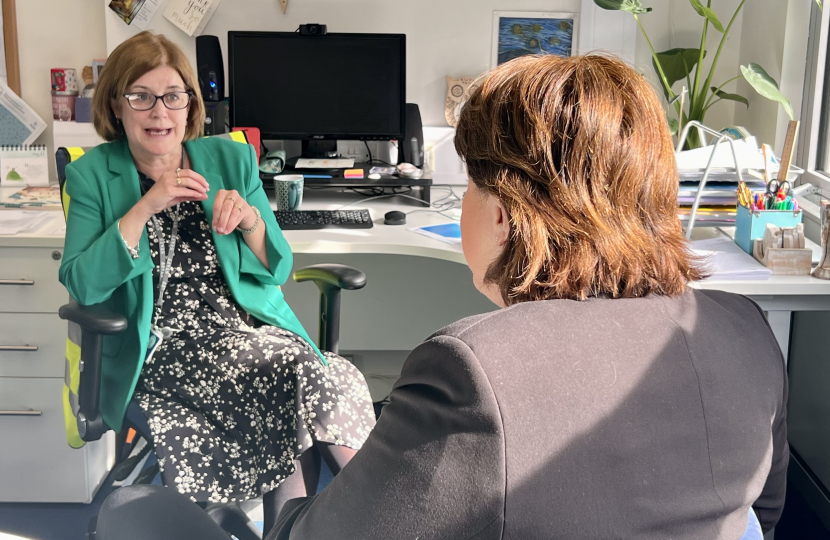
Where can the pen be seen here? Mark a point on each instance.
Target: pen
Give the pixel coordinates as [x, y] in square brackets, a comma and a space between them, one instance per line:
[317, 176]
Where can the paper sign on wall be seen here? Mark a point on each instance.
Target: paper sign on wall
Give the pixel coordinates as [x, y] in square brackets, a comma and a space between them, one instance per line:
[190, 16]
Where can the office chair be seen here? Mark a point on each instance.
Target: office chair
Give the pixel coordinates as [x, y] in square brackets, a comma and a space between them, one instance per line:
[82, 385]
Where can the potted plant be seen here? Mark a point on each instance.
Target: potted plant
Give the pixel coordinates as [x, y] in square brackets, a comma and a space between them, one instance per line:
[687, 63]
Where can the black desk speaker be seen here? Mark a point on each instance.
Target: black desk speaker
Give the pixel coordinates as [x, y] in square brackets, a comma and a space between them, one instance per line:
[209, 68]
[216, 114]
[413, 142]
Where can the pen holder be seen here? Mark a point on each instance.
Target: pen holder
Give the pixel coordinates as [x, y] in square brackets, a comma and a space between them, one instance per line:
[751, 224]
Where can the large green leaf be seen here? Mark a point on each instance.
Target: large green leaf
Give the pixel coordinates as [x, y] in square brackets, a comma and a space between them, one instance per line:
[819, 4]
[733, 97]
[765, 85]
[704, 11]
[677, 63]
[631, 6]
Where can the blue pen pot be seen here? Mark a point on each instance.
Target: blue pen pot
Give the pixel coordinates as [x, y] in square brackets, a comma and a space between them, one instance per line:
[750, 225]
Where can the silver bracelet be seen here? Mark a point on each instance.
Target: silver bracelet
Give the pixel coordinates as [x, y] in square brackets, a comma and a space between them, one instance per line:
[132, 251]
[255, 226]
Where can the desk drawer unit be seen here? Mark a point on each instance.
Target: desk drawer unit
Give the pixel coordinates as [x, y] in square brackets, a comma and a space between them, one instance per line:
[29, 280]
[36, 464]
[32, 345]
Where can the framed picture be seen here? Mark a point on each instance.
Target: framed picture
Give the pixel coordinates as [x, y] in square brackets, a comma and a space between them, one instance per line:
[519, 33]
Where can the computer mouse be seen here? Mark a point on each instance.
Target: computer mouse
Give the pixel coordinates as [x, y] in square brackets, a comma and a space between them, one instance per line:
[394, 218]
[374, 176]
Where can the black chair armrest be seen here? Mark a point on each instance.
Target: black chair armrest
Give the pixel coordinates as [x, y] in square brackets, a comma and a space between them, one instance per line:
[95, 322]
[97, 319]
[330, 279]
[337, 275]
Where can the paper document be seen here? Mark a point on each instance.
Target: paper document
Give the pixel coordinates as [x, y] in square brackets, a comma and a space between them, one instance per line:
[446, 232]
[725, 260]
[19, 123]
[145, 13]
[23, 221]
[748, 153]
[339, 163]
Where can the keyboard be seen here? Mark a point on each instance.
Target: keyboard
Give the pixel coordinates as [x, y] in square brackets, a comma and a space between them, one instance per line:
[323, 219]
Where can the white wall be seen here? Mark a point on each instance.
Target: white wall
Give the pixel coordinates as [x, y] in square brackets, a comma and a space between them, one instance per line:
[53, 34]
[781, 48]
[444, 37]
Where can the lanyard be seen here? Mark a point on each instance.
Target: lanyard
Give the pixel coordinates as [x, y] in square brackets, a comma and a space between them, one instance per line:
[166, 261]
[166, 258]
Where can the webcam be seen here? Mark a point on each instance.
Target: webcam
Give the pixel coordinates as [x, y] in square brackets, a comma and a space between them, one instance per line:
[313, 29]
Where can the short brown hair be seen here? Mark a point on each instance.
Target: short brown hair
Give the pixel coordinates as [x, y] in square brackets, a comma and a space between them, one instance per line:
[136, 56]
[579, 153]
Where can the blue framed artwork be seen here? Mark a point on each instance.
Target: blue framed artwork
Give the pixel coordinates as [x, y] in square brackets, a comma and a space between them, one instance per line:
[519, 33]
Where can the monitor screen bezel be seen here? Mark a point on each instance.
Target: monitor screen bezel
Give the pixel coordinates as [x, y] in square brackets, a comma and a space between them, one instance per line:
[320, 136]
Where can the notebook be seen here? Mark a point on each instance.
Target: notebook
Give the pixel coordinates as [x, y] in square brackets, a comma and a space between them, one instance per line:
[22, 166]
[446, 232]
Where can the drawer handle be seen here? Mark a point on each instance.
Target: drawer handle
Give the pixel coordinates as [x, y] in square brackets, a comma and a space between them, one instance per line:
[19, 348]
[23, 412]
[17, 282]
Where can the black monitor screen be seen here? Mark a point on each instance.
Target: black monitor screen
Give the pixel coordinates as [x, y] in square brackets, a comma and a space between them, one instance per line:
[336, 86]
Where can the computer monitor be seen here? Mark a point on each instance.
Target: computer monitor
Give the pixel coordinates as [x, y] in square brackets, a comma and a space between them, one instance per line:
[318, 88]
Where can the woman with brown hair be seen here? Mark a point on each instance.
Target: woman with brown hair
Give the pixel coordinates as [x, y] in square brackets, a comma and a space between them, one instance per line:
[175, 232]
[606, 398]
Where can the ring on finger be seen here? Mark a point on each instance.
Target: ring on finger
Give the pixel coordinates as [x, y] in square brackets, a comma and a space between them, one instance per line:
[178, 181]
[238, 206]
[232, 199]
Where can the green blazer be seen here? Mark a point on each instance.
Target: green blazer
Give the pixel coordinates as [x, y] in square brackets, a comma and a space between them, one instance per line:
[97, 268]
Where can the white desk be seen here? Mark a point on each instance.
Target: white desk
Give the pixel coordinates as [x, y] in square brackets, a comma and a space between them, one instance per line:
[779, 296]
[417, 284]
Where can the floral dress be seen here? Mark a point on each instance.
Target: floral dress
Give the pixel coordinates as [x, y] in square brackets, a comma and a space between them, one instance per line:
[231, 402]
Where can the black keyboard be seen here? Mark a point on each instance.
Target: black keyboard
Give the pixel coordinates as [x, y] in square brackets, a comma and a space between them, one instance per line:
[323, 219]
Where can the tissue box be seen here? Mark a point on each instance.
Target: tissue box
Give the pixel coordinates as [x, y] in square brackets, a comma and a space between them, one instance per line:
[750, 225]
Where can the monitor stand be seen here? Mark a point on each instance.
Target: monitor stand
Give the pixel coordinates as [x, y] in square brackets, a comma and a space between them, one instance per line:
[315, 150]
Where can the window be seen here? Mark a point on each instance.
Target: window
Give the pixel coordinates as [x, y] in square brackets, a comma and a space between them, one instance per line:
[814, 145]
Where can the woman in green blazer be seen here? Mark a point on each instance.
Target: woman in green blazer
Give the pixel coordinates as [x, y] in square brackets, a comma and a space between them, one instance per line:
[176, 233]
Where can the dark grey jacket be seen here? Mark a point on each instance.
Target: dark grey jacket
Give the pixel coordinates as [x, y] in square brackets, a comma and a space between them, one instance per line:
[649, 418]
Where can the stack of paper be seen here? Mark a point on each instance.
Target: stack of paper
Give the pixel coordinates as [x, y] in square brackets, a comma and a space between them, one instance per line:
[725, 260]
[23, 221]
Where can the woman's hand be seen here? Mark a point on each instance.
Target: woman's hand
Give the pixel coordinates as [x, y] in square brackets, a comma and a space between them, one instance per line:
[173, 188]
[230, 211]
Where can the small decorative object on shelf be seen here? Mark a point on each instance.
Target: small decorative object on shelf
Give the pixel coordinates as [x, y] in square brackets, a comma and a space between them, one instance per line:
[83, 103]
[64, 93]
[822, 271]
[458, 92]
[782, 250]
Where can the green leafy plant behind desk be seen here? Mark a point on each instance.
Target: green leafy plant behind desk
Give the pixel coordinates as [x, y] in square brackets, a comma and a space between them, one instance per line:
[687, 63]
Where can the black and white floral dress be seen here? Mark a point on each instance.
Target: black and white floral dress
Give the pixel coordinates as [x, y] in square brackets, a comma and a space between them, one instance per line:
[232, 403]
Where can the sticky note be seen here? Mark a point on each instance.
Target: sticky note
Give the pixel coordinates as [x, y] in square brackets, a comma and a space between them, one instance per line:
[353, 173]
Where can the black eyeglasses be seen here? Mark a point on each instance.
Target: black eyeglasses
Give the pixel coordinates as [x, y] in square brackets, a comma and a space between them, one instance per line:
[144, 101]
